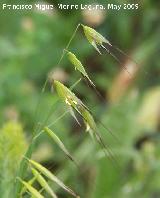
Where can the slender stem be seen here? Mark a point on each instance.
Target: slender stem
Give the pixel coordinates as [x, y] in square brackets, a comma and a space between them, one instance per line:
[46, 81]
[51, 124]
[74, 33]
[23, 164]
[72, 87]
[68, 44]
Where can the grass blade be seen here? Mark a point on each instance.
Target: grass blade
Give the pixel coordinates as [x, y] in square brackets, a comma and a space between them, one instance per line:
[43, 183]
[29, 182]
[21, 172]
[32, 190]
[52, 177]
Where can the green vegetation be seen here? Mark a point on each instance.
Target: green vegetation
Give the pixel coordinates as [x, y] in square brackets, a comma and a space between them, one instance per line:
[46, 105]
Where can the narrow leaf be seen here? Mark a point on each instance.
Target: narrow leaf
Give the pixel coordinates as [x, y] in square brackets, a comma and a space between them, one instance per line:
[29, 182]
[52, 177]
[43, 183]
[32, 190]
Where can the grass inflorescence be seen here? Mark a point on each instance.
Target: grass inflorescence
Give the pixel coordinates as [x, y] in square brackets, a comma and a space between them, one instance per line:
[73, 104]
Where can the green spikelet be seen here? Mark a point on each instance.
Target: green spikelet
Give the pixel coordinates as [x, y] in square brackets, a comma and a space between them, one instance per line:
[78, 65]
[56, 139]
[94, 38]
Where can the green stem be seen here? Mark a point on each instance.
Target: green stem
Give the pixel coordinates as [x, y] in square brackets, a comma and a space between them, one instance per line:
[68, 44]
[23, 164]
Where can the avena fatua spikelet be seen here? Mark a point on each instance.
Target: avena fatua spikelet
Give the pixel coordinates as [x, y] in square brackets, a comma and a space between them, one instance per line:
[65, 94]
[57, 140]
[97, 40]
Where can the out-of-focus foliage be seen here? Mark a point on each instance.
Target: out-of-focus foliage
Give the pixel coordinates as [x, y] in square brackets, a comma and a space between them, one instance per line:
[31, 44]
[12, 147]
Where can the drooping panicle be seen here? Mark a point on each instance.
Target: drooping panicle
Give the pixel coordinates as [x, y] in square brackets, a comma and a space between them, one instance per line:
[84, 112]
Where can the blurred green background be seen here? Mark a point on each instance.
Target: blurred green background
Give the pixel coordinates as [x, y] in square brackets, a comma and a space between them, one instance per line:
[31, 43]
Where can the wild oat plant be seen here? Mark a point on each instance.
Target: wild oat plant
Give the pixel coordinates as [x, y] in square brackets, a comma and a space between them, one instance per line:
[30, 173]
